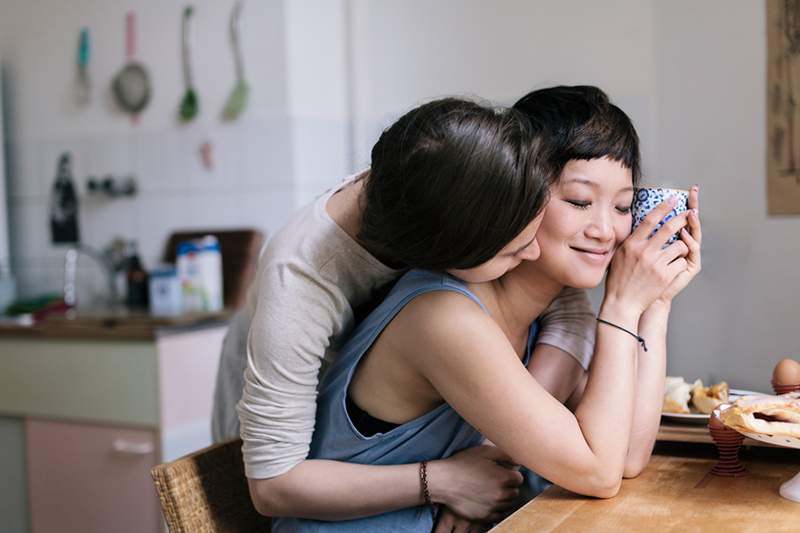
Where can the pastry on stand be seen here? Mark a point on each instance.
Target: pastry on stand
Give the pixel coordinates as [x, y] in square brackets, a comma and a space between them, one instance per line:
[771, 419]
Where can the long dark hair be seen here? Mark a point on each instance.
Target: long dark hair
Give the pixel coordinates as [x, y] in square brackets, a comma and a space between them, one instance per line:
[450, 184]
[580, 122]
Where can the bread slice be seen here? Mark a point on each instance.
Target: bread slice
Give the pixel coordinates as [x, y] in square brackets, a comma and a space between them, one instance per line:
[706, 399]
[769, 415]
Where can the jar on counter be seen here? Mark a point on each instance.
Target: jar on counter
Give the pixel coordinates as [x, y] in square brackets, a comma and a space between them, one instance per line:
[165, 292]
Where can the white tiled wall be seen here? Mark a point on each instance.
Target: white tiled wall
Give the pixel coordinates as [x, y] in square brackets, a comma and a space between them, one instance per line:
[254, 180]
[249, 184]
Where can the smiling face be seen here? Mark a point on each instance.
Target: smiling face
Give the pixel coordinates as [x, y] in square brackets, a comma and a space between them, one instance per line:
[587, 217]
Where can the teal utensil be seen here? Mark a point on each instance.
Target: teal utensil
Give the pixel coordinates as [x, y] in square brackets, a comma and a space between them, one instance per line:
[190, 103]
[237, 101]
[84, 84]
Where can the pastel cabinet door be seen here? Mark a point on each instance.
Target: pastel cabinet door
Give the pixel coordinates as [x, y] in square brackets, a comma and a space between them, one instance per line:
[13, 481]
[85, 478]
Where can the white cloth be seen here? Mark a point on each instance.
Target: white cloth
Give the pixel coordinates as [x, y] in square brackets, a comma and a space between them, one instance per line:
[299, 311]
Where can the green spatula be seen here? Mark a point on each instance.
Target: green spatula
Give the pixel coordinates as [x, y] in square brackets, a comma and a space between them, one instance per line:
[190, 104]
[237, 101]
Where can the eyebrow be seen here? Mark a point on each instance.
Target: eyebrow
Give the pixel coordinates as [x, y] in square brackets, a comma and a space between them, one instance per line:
[593, 184]
[518, 250]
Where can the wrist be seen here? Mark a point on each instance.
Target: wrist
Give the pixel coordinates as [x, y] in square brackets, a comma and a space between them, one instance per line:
[437, 481]
[655, 318]
[659, 308]
[620, 313]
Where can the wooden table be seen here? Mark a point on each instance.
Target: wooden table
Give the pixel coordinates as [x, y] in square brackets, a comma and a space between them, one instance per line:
[673, 494]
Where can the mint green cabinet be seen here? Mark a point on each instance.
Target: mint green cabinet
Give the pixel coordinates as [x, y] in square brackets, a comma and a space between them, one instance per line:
[85, 420]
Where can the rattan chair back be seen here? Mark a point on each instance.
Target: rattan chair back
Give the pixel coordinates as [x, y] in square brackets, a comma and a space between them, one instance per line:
[206, 492]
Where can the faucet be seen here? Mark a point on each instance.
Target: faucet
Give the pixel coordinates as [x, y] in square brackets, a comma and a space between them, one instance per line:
[112, 260]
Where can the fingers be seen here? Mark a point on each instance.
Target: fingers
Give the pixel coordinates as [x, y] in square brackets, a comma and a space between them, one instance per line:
[677, 268]
[694, 226]
[694, 197]
[445, 522]
[694, 236]
[494, 453]
[675, 250]
[693, 246]
[670, 228]
[653, 218]
[510, 497]
[694, 222]
[515, 479]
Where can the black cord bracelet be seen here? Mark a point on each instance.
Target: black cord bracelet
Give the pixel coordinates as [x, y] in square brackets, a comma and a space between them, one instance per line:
[632, 334]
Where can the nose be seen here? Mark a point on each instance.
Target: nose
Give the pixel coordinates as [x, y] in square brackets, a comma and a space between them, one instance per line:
[531, 252]
[601, 227]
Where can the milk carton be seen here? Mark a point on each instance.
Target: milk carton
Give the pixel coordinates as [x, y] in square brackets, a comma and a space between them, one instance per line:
[199, 265]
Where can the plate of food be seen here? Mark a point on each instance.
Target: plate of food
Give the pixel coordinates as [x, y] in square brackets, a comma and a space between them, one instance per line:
[694, 402]
[772, 419]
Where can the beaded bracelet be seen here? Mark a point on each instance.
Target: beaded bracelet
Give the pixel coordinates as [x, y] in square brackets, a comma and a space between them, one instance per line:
[426, 494]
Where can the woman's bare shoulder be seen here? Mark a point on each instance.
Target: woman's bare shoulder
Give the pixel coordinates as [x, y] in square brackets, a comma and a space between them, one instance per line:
[443, 324]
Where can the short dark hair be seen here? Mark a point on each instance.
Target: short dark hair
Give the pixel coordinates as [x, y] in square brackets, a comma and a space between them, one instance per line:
[580, 122]
[450, 184]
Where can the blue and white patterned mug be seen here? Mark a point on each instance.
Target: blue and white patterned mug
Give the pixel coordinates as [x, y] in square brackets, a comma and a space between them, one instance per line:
[645, 199]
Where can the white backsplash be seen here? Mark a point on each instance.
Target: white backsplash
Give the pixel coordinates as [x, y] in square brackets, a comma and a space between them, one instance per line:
[249, 185]
[290, 144]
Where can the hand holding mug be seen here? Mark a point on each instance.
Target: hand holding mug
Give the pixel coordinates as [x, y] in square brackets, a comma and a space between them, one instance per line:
[692, 238]
[645, 265]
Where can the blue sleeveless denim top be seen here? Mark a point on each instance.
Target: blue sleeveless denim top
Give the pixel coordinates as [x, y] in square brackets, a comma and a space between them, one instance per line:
[435, 435]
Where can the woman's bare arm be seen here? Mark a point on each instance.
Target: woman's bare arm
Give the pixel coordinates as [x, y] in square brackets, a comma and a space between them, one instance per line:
[471, 364]
[469, 361]
[651, 367]
[650, 371]
[471, 482]
[555, 370]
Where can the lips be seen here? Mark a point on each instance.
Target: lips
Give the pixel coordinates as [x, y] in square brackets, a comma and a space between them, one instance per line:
[594, 256]
[593, 251]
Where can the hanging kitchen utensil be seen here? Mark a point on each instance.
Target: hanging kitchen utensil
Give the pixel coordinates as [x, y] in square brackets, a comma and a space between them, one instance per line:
[131, 85]
[237, 101]
[190, 104]
[83, 91]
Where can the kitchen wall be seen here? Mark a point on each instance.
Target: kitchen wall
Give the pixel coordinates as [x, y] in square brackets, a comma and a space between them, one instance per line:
[328, 76]
[741, 315]
[288, 145]
[692, 77]
[404, 52]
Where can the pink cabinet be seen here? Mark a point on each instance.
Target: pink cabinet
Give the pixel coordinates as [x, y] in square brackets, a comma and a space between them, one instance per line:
[97, 415]
[85, 477]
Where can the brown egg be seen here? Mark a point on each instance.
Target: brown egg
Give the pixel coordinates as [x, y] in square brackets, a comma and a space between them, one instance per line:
[787, 372]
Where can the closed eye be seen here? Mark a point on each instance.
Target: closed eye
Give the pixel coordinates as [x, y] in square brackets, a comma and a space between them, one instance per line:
[579, 204]
[624, 209]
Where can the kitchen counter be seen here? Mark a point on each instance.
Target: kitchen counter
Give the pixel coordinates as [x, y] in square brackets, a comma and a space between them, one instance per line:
[95, 402]
[119, 326]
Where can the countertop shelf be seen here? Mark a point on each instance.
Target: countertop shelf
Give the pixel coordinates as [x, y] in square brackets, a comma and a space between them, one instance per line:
[120, 326]
[695, 433]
